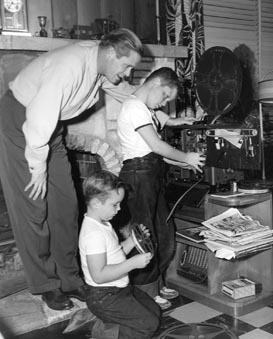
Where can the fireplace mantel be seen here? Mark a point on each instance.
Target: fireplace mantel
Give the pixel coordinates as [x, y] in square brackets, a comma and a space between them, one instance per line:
[22, 43]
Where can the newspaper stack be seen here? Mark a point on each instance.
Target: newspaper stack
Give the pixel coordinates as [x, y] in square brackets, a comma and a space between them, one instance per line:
[233, 235]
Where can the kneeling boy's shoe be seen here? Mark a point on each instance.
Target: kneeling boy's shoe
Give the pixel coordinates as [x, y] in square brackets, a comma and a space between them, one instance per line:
[103, 330]
[81, 320]
[168, 293]
[81, 293]
[163, 303]
[56, 300]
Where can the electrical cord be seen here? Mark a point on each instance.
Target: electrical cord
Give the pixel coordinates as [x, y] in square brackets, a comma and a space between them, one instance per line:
[169, 216]
[182, 196]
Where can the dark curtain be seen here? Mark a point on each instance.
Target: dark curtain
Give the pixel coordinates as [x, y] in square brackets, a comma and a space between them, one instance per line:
[184, 23]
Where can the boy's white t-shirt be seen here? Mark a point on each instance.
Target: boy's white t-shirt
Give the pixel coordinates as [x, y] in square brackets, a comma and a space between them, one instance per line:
[135, 114]
[96, 238]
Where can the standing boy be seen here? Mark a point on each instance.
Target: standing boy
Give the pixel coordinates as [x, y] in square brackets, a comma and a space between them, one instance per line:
[131, 313]
[143, 169]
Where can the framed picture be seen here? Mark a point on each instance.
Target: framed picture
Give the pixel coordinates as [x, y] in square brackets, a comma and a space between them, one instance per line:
[14, 15]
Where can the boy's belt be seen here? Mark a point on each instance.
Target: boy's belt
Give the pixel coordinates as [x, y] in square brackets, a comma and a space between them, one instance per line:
[149, 156]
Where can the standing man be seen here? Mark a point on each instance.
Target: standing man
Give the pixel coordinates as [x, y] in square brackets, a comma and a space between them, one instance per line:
[34, 168]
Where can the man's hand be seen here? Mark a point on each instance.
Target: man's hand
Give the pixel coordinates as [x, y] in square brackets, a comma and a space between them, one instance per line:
[37, 185]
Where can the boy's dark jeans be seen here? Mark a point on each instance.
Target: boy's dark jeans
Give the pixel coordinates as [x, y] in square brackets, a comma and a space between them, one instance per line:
[136, 313]
[147, 205]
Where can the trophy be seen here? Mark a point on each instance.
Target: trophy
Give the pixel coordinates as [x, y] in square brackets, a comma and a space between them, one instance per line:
[42, 23]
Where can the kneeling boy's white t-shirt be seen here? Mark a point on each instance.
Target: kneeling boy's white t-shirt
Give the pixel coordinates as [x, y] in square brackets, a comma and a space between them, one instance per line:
[96, 238]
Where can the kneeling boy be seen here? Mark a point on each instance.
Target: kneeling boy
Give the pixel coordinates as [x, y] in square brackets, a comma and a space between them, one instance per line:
[112, 299]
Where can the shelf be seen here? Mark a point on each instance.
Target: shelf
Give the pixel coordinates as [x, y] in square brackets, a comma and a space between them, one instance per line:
[219, 301]
[201, 292]
[240, 200]
[190, 255]
[23, 43]
[208, 126]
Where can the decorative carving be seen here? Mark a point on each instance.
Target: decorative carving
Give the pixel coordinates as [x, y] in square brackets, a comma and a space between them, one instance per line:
[94, 145]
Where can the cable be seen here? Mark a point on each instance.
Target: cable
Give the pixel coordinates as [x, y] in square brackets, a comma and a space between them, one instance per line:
[183, 195]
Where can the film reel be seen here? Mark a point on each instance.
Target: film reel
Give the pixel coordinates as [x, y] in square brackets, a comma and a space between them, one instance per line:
[142, 241]
[218, 80]
[197, 331]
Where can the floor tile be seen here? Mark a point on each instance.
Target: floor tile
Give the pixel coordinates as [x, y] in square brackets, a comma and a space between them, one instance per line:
[256, 334]
[268, 327]
[194, 312]
[258, 318]
[166, 323]
[179, 301]
[237, 326]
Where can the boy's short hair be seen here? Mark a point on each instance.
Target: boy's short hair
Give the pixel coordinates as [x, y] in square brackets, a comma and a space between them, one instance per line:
[98, 185]
[123, 41]
[167, 76]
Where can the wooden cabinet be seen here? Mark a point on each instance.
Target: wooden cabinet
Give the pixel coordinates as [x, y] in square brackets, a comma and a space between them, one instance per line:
[145, 20]
[256, 267]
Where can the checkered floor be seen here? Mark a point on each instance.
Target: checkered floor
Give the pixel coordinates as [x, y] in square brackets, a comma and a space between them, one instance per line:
[255, 325]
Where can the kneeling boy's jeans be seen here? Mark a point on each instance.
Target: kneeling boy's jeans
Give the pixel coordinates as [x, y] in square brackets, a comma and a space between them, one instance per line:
[133, 310]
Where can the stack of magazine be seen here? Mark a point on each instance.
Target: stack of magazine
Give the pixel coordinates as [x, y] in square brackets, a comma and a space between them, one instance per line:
[233, 235]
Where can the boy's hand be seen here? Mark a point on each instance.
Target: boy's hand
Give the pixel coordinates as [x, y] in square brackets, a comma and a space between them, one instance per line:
[145, 230]
[196, 160]
[141, 260]
[180, 164]
[187, 120]
[180, 121]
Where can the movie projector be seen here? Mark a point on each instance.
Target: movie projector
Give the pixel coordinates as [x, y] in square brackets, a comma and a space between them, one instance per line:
[231, 128]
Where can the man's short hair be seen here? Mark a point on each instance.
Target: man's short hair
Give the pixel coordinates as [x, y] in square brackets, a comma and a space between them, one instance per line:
[123, 41]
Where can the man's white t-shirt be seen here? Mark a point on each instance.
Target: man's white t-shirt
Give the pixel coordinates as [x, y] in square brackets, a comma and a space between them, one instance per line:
[96, 238]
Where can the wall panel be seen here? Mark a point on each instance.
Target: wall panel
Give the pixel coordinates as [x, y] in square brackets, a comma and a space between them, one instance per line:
[246, 22]
[266, 36]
